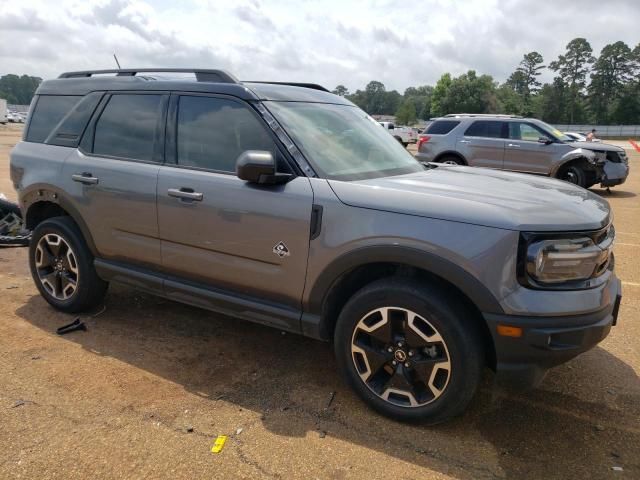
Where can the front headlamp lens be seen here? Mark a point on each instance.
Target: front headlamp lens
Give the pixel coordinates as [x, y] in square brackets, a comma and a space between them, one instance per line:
[564, 260]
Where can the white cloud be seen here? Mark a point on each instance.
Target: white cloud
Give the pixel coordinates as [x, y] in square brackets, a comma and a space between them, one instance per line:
[330, 42]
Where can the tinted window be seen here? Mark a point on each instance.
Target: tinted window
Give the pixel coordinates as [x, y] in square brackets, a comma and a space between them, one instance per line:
[485, 128]
[49, 110]
[126, 128]
[525, 131]
[70, 128]
[442, 127]
[213, 132]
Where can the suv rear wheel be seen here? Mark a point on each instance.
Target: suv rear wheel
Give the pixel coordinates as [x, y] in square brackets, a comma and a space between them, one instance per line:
[409, 351]
[62, 266]
[451, 160]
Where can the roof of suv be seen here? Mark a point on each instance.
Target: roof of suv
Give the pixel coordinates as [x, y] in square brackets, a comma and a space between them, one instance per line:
[205, 81]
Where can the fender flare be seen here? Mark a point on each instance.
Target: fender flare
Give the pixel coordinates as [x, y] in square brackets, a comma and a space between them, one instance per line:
[44, 192]
[576, 154]
[468, 284]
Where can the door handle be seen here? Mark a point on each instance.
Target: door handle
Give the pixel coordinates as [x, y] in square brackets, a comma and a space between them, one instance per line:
[185, 194]
[465, 141]
[85, 178]
[513, 145]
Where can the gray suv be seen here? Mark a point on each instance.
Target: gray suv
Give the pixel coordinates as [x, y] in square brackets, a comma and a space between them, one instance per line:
[286, 205]
[524, 145]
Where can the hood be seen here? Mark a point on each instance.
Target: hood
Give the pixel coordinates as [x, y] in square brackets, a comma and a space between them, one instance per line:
[482, 197]
[602, 147]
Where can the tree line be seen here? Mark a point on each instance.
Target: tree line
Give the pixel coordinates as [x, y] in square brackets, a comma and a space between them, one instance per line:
[585, 89]
[18, 90]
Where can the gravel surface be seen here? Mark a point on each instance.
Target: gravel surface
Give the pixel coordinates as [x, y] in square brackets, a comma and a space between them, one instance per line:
[147, 389]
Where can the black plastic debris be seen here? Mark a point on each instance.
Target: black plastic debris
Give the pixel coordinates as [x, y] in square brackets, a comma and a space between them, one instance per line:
[12, 229]
[72, 327]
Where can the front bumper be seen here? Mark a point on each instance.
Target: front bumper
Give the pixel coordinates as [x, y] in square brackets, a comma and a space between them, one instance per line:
[614, 174]
[522, 362]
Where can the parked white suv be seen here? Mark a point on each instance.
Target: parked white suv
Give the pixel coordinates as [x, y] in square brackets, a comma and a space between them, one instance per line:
[404, 135]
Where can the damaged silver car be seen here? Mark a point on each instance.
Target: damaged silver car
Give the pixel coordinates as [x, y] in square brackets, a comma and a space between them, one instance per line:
[523, 145]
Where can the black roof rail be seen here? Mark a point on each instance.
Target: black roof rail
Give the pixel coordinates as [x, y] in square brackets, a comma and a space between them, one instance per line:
[202, 75]
[313, 86]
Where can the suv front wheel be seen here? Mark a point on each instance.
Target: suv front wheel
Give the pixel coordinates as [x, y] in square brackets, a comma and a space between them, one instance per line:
[409, 350]
[62, 266]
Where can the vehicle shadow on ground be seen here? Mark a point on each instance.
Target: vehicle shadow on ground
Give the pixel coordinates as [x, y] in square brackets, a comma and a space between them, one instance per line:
[613, 193]
[562, 431]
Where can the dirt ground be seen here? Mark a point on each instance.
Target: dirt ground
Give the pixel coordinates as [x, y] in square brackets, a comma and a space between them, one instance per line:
[120, 400]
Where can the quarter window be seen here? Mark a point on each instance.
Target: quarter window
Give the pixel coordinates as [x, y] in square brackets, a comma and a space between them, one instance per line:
[213, 132]
[48, 112]
[127, 127]
[441, 127]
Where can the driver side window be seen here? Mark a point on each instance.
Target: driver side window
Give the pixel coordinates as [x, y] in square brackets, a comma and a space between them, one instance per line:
[525, 132]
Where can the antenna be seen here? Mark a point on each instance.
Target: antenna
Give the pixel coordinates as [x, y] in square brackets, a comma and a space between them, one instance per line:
[117, 62]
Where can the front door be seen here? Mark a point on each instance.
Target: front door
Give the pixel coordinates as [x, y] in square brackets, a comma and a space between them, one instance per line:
[112, 178]
[525, 153]
[222, 232]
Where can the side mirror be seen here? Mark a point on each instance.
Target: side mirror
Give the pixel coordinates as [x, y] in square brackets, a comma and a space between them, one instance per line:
[257, 166]
[391, 126]
[545, 140]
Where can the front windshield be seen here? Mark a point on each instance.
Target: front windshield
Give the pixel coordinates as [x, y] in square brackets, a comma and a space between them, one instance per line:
[342, 142]
[554, 132]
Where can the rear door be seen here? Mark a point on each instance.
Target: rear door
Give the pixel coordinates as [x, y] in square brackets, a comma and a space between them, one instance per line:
[112, 177]
[482, 143]
[524, 152]
[217, 230]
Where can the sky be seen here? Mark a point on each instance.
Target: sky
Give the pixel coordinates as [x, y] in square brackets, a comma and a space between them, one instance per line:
[400, 43]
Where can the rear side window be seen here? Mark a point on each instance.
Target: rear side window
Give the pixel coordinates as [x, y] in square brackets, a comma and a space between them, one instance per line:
[442, 127]
[485, 128]
[213, 132]
[48, 112]
[127, 127]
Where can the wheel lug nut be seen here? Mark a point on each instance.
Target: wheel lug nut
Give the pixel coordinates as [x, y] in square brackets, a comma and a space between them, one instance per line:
[400, 344]
[407, 364]
[393, 362]
[390, 349]
[411, 353]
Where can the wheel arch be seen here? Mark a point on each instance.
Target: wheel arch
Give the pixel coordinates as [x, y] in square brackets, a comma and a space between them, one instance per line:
[450, 153]
[351, 272]
[42, 201]
[577, 155]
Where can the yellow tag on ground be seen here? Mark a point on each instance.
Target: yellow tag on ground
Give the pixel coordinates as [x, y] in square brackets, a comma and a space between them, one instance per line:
[218, 445]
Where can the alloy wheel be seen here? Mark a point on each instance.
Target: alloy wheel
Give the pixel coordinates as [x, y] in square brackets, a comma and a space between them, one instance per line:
[56, 266]
[401, 357]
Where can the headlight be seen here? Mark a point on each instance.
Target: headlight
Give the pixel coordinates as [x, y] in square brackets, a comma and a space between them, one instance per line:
[565, 262]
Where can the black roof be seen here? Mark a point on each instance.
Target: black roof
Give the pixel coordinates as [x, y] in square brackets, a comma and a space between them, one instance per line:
[203, 81]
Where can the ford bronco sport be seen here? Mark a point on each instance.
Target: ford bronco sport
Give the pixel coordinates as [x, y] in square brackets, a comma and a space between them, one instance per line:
[286, 205]
[525, 145]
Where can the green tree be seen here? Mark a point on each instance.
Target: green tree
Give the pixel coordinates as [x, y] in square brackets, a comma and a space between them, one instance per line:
[572, 69]
[439, 106]
[525, 79]
[406, 114]
[18, 90]
[421, 98]
[509, 101]
[468, 93]
[550, 103]
[614, 68]
[341, 90]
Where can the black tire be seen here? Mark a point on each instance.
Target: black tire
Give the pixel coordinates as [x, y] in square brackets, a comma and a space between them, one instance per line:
[451, 160]
[461, 337]
[574, 173]
[89, 288]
